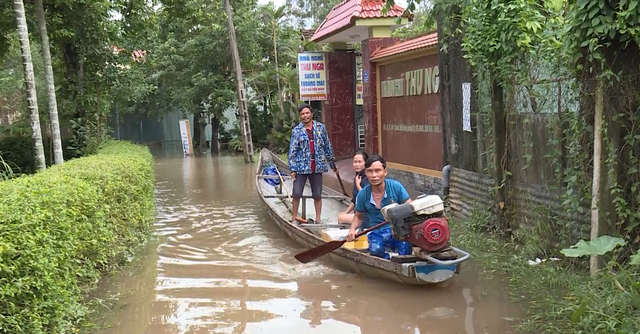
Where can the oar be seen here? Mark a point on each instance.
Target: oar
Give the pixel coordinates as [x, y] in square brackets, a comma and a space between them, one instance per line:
[330, 246]
[342, 226]
[284, 185]
[302, 221]
[341, 185]
[268, 159]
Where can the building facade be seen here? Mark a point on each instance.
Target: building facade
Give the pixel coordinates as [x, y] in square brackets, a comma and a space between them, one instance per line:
[387, 96]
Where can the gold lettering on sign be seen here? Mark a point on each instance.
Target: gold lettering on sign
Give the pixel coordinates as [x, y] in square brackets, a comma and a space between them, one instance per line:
[436, 79]
[419, 81]
[399, 88]
[412, 75]
[416, 128]
[392, 88]
[428, 73]
[415, 82]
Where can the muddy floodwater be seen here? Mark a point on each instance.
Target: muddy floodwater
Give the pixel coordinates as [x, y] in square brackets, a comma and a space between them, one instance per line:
[220, 265]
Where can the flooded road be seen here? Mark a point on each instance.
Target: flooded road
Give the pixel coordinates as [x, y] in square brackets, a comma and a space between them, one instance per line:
[220, 265]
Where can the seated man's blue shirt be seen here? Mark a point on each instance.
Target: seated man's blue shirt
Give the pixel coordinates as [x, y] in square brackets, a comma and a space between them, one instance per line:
[394, 192]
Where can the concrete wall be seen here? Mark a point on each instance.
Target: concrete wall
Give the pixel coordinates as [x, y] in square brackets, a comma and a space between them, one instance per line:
[420, 183]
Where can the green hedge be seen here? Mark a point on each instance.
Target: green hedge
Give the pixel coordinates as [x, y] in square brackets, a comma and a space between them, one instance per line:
[60, 229]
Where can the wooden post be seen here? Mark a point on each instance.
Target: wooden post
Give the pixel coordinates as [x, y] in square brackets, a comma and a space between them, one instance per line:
[498, 122]
[480, 136]
[599, 179]
[242, 96]
[560, 131]
[304, 207]
[445, 88]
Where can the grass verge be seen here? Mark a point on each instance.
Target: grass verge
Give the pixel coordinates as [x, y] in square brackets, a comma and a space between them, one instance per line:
[63, 228]
[557, 298]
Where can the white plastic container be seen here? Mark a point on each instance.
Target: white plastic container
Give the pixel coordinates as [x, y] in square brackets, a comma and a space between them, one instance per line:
[427, 205]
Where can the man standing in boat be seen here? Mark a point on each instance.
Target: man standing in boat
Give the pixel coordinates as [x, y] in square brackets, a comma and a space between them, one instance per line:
[309, 153]
[379, 193]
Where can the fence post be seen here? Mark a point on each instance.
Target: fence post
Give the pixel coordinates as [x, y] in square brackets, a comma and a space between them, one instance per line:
[498, 122]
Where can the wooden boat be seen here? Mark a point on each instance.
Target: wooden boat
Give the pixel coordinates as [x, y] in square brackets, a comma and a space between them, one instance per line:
[352, 256]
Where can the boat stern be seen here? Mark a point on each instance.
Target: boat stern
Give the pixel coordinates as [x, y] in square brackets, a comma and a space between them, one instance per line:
[435, 270]
[428, 273]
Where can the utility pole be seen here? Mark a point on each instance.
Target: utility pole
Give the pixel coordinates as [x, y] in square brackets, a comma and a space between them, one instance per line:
[242, 96]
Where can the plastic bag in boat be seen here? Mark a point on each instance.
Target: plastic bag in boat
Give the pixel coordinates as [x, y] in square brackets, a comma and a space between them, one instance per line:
[271, 170]
[403, 247]
[381, 242]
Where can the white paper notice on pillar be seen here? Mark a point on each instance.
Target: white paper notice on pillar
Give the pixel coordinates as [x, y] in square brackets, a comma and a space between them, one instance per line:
[312, 76]
[466, 106]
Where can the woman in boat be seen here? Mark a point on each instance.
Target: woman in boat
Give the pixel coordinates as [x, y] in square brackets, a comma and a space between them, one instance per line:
[359, 182]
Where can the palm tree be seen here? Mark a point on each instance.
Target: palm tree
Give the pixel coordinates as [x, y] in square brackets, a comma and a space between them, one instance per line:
[51, 88]
[274, 16]
[30, 83]
[289, 50]
[291, 88]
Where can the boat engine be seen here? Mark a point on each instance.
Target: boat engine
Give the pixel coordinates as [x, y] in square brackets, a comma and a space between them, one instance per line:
[421, 222]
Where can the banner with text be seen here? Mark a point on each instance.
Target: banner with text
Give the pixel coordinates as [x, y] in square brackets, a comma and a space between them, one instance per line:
[359, 87]
[185, 136]
[359, 92]
[312, 75]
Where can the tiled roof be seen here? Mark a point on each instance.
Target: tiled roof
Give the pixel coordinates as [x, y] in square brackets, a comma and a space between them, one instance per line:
[345, 13]
[410, 45]
[306, 33]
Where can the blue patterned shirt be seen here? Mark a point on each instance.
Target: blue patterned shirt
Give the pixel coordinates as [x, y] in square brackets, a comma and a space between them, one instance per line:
[300, 153]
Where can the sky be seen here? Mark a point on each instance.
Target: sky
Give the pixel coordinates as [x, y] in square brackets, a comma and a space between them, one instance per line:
[402, 3]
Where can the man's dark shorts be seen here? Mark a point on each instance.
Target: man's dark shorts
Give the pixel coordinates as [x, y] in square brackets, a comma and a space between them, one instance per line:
[315, 180]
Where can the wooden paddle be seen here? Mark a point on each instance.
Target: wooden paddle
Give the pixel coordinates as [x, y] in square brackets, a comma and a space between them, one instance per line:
[284, 185]
[340, 226]
[340, 180]
[302, 221]
[314, 253]
[267, 159]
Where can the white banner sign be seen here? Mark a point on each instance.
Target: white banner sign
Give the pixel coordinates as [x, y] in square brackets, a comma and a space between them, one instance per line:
[466, 106]
[312, 76]
[185, 135]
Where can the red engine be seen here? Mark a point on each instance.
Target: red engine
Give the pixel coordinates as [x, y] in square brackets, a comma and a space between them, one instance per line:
[431, 235]
[421, 222]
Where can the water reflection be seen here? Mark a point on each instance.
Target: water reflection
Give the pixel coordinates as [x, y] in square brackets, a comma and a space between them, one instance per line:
[222, 266]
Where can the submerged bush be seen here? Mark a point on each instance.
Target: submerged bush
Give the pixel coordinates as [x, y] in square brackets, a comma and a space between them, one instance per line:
[63, 227]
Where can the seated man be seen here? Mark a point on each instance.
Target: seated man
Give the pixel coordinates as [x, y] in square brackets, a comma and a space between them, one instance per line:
[378, 194]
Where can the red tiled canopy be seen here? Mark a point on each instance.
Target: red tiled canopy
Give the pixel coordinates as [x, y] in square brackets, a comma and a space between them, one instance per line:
[344, 14]
[410, 45]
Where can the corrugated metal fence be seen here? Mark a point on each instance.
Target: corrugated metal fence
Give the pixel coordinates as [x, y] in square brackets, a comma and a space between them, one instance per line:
[468, 191]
